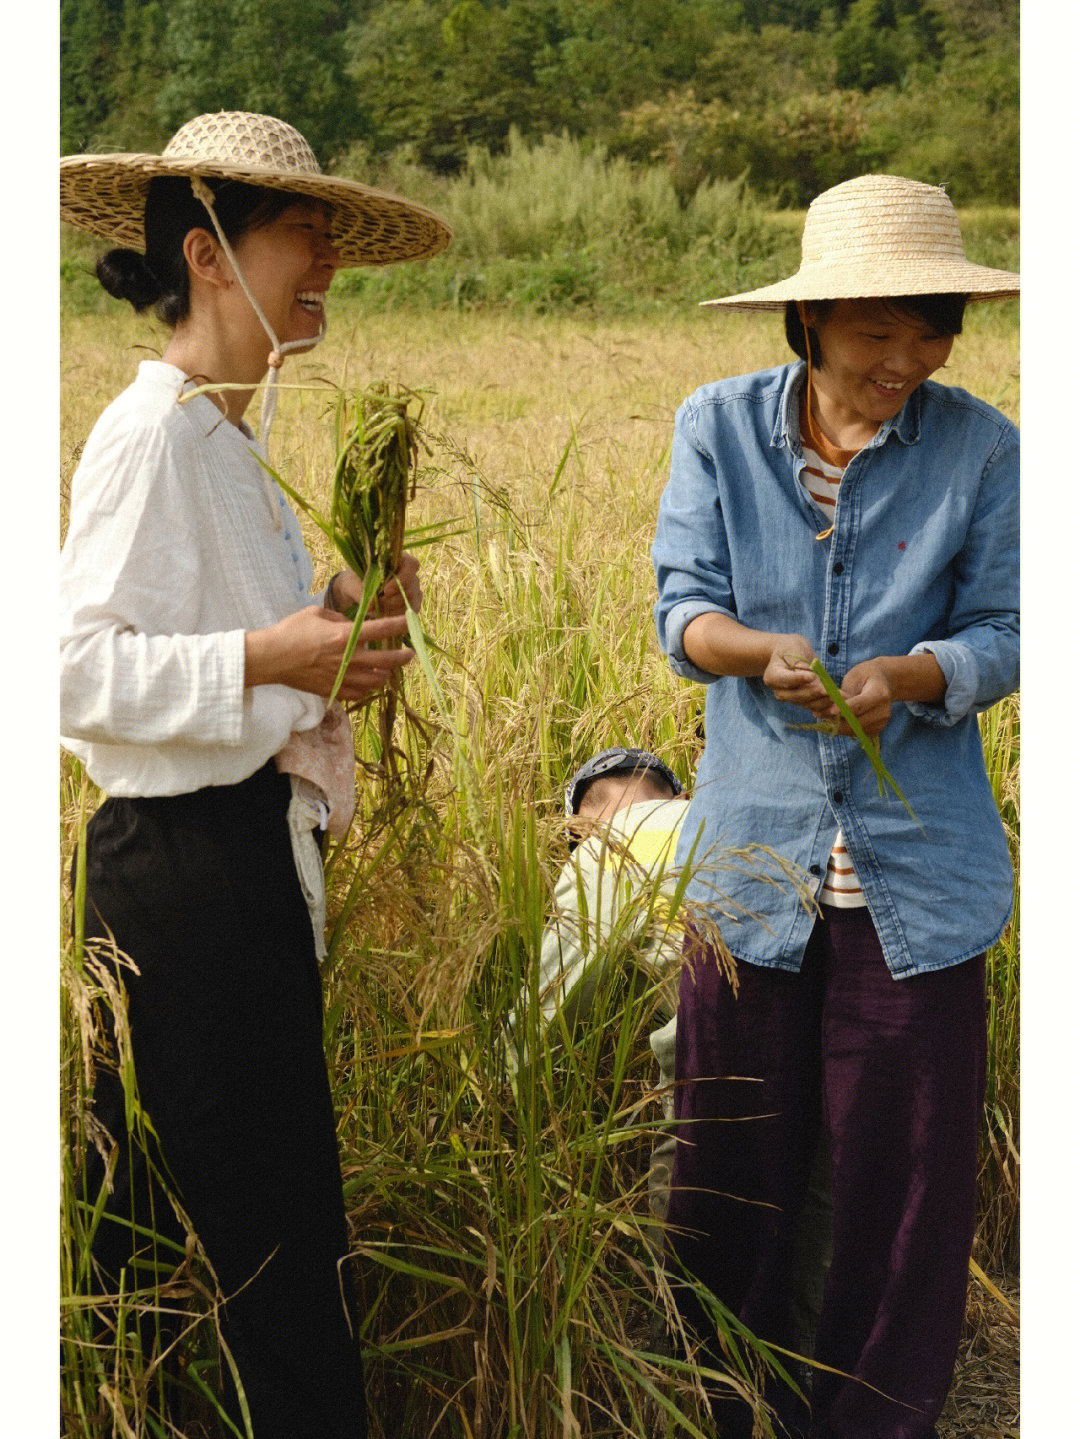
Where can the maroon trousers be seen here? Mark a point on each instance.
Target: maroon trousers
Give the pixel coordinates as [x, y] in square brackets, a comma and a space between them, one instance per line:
[899, 1066]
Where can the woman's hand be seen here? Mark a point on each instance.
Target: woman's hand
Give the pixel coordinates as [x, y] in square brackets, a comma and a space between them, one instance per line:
[349, 588]
[305, 649]
[868, 689]
[789, 676]
[874, 686]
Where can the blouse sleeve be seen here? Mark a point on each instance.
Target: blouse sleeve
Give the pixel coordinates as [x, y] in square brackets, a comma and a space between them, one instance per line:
[130, 575]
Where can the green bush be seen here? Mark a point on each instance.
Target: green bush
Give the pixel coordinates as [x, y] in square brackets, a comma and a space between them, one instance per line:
[563, 225]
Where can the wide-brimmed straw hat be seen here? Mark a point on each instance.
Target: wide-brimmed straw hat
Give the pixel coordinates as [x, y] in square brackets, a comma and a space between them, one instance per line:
[875, 237]
[106, 194]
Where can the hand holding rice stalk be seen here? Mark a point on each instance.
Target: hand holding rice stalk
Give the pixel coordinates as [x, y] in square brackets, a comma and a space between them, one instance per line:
[871, 747]
[377, 441]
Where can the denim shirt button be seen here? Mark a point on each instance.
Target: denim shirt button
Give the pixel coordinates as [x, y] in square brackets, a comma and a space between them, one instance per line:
[838, 796]
[815, 869]
[838, 568]
[834, 648]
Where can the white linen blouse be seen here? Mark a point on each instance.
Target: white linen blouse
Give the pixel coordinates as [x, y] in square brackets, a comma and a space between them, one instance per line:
[178, 543]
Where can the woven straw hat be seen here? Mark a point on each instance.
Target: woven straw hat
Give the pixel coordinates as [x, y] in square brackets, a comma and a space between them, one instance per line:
[880, 236]
[106, 194]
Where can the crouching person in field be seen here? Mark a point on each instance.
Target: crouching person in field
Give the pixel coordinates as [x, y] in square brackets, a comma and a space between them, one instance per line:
[612, 902]
[625, 808]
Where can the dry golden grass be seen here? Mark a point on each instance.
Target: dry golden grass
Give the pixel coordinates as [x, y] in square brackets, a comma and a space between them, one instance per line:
[514, 389]
[544, 619]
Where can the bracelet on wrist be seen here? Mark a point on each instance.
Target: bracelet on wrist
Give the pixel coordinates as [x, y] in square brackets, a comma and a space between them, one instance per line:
[328, 599]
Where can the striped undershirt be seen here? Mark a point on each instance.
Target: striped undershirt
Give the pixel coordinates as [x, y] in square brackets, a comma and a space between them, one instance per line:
[820, 480]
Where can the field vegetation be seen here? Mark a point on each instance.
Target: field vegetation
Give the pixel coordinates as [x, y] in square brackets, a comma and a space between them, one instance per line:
[501, 1230]
[560, 225]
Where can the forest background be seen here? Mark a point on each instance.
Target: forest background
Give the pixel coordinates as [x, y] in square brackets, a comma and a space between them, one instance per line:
[610, 155]
[793, 95]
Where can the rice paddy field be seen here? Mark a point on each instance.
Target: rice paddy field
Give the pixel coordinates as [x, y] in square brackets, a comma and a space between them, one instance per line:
[501, 1231]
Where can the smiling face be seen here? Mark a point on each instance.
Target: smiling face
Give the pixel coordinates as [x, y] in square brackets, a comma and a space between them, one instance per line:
[288, 265]
[873, 356]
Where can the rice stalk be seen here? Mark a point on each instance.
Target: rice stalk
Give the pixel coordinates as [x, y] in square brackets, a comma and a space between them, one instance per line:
[870, 747]
[999, 1183]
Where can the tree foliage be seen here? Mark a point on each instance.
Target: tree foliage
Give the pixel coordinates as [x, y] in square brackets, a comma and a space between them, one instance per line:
[794, 94]
[262, 55]
[89, 37]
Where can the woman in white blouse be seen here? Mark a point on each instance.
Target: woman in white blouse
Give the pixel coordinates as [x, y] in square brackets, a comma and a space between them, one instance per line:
[195, 669]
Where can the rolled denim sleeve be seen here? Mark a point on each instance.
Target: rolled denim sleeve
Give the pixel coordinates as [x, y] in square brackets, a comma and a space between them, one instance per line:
[980, 654]
[957, 664]
[690, 553]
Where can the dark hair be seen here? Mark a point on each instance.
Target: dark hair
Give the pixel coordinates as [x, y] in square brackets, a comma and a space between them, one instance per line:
[160, 276]
[943, 313]
[650, 776]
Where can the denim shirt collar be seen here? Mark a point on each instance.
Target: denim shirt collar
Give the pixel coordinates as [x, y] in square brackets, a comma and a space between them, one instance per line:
[787, 431]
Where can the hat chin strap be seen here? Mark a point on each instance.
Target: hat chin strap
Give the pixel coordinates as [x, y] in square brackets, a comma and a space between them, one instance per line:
[278, 351]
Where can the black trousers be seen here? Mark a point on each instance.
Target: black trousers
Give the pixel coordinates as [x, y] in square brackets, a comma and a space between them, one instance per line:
[200, 892]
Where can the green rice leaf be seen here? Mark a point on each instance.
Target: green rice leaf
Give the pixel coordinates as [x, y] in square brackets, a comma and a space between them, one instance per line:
[79, 897]
[371, 586]
[340, 542]
[869, 747]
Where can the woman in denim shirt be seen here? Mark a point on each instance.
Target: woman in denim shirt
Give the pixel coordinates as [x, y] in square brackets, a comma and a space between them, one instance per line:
[844, 506]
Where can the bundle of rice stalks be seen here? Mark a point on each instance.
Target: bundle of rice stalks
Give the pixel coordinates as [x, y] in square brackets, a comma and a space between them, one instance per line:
[377, 443]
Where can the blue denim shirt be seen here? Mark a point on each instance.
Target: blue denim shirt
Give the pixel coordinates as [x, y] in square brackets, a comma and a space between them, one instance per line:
[924, 555]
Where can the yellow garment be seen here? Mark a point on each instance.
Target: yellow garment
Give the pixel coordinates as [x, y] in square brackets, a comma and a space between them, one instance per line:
[615, 887]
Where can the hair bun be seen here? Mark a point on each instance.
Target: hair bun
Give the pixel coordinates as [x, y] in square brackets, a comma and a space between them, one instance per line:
[127, 276]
